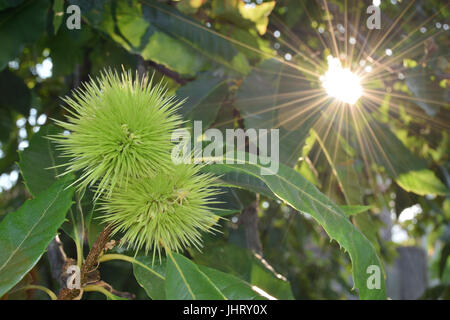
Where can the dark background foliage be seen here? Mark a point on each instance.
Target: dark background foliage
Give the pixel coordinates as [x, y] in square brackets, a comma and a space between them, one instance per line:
[224, 56]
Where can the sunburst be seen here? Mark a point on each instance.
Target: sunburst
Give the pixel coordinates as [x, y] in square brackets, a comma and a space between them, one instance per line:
[351, 76]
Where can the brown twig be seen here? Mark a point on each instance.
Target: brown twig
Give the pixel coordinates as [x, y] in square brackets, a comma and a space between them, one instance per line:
[91, 261]
[249, 218]
[89, 272]
[68, 294]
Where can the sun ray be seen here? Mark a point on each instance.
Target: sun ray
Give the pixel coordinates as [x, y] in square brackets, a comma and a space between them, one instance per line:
[401, 54]
[356, 50]
[438, 103]
[422, 116]
[355, 35]
[230, 39]
[411, 2]
[312, 59]
[362, 147]
[375, 140]
[324, 45]
[412, 32]
[335, 153]
[333, 106]
[394, 73]
[330, 25]
[276, 107]
[313, 105]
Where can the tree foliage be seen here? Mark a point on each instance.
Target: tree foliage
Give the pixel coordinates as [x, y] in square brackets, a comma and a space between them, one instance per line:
[346, 173]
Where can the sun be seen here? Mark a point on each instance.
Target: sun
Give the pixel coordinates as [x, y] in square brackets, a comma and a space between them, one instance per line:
[341, 83]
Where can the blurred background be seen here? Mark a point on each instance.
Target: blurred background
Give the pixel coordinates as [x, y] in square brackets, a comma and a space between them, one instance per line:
[260, 64]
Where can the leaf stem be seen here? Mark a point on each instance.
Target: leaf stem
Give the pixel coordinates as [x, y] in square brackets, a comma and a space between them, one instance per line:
[78, 243]
[92, 287]
[331, 162]
[81, 240]
[50, 293]
[116, 256]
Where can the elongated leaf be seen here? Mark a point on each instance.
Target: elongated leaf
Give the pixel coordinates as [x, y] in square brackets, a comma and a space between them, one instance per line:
[127, 24]
[14, 94]
[6, 125]
[445, 253]
[241, 14]
[409, 171]
[232, 287]
[37, 159]
[204, 97]
[58, 11]
[4, 4]
[20, 25]
[243, 264]
[152, 277]
[387, 150]
[182, 59]
[353, 210]
[67, 49]
[291, 187]
[425, 87]
[26, 233]
[185, 281]
[37, 164]
[271, 97]
[187, 30]
[422, 182]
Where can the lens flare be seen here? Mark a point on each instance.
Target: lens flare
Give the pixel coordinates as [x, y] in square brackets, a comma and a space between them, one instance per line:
[341, 83]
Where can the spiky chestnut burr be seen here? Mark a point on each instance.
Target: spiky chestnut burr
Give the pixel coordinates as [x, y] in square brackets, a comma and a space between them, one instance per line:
[119, 129]
[165, 210]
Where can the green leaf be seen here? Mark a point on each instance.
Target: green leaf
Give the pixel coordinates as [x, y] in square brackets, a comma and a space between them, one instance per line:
[353, 210]
[185, 281]
[58, 14]
[5, 4]
[19, 26]
[108, 54]
[10, 148]
[258, 14]
[421, 182]
[291, 187]
[37, 159]
[26, 233]
[151, 277]
[231, 201]
[231, 287]
[445, 253]
[127, 24]
[242, 14]
[271, 97]
[14, 94]
[409, 171]
[67, 49]
[37, 164]
[181, 59]
[6, 125]
[204, 97]
[189, 31]
[256, 48]
[245, 265]
[420, 83]
[387, 150]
